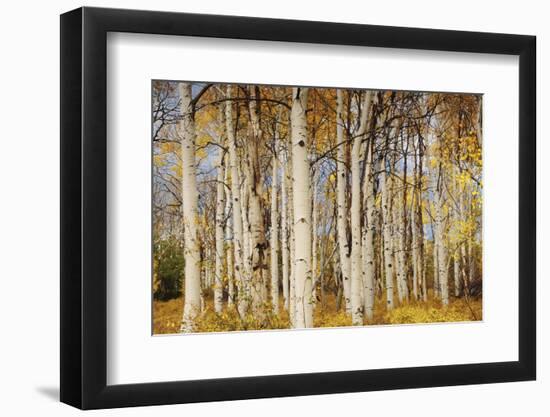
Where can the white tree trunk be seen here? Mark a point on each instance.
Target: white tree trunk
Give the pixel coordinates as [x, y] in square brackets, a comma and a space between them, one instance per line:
[417, 274]
[396, 242]
[465, 277]
[465, 274]
[418, 230]
[274, 237]
[387, 234]
[245, 209]
[402, 221]
[230, 275]
[356, 237]
[230, 271]
[186, 127]
[302, 214]
[369, 233]
[258, 244]
[440, 242]
[220, 234]
[314, 238]
[437, 292]
[238, 238]
[292, 237]
[342, 207]
[456, 271]
[284, 241]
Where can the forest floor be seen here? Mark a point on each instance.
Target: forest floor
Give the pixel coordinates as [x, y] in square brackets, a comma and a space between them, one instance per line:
[167, 315]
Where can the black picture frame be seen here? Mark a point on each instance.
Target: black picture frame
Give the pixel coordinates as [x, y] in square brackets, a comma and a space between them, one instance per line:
[84, 207]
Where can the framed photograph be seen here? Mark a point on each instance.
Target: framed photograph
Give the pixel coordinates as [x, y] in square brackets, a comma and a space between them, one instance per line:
[260, 208]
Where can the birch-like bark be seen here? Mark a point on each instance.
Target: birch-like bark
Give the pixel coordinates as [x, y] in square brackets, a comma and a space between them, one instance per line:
[436, 289]
[465, 276]
[385, 180]
[237, 224]
[220, 234]
[302, 214]
[417, 274]
[440, 241]
[274, 237]
[420, 228]
[314, 237]
[356, 237]
[472, 270]
[229, 254]
[369, 232]
[284, 240]
[456, 274]
[402, 224]
[230, 275]
[292, 237]
[186, 127]
[342, 208]
[245, 209]
[396, 247]
[258, 244]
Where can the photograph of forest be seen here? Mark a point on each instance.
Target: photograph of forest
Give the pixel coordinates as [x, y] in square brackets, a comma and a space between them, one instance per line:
[280, 207]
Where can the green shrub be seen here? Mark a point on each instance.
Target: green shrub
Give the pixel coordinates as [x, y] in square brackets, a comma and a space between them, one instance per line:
[168, 270]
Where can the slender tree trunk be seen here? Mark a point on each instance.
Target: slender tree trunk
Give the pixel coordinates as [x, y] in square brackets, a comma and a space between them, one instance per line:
[456, 274]
[369, 232]
[292, 282]
[386, 219]
[479, 131]
[341, 185]
[220, 235]
[356, 270]
[245, 210]
[274, 237]
[397, 251]
[258, 244]
[415, 248]
[314, 238]
[238, 238]
[440, 241]
[436, 289]
[465, 277]
[420, 227]
[356, 236]
[230, 271]
[403, 235]
[284, 240]
[472, 260]
[302, 214]
[230, 275]
[466, 272]
[186, 127]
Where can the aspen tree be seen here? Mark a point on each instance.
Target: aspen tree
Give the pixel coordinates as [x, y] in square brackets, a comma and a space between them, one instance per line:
[284, 239]
[302, 213]
[192, 274]
[370, 219]
[229, 255]
[342, 215]
[238, 239]
[220, 234]
[274, 236]
[258, 244]
[442, 272]
[292, 237]
[356, 237]
[402, 225]
[385, 180]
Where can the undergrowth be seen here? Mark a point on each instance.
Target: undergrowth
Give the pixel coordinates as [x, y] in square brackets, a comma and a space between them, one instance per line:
[167, 315]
